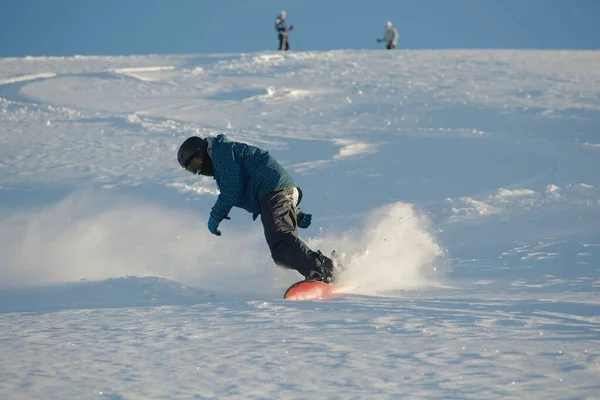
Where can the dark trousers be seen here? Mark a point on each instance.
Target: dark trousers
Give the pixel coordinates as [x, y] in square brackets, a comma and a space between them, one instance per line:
[278, 216]
[283, 42]
[390, 46]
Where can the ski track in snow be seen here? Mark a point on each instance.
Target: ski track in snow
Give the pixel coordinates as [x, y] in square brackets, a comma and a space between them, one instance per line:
[461, 186]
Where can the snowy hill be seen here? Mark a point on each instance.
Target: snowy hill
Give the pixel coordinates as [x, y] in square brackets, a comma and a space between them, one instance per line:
[462, 186]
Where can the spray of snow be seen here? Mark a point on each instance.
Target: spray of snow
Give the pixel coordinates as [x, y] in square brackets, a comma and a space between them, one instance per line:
[395, 250]
[93, 236]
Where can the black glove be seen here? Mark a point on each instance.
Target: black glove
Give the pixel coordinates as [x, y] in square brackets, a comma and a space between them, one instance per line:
[304, 220]
[291, 27]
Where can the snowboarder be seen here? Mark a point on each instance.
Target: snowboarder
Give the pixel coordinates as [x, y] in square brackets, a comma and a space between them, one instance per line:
[390, 36]
[283, 31]
[248, 177]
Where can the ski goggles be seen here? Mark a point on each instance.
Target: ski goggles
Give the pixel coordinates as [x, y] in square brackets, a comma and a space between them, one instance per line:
[194, 164]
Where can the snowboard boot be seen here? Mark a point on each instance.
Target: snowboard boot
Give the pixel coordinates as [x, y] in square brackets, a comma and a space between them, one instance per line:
[323, 271]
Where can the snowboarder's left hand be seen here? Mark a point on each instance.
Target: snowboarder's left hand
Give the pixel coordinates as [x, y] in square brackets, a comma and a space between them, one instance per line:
[304, 220]
[291, 27]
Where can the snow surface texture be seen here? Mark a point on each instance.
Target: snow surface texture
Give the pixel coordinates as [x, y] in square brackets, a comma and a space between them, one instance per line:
[461, 189]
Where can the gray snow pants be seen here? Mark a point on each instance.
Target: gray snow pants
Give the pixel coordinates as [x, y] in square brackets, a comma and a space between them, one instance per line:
[283, 42]
[278, 216]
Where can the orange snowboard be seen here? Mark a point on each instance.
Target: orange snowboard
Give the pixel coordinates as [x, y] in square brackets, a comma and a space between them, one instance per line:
[312, 290]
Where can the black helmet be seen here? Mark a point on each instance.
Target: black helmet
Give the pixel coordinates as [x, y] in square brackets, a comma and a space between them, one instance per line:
[189, 148]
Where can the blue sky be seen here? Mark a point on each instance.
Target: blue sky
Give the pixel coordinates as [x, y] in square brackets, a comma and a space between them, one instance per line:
[67, 27]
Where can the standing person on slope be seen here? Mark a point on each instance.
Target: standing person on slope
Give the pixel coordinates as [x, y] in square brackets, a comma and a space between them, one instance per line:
[249, 178]
[283, 31]
[390, 36]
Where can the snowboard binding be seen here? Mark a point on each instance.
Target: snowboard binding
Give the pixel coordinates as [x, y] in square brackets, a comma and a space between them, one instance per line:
[324, 269]
[327, 268]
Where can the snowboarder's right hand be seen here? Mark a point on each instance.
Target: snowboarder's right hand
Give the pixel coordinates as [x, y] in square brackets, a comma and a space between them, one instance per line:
[379, 40]
[213, 224]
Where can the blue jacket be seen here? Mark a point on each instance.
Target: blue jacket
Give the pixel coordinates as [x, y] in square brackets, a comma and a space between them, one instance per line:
[244, 175]
[281, 27]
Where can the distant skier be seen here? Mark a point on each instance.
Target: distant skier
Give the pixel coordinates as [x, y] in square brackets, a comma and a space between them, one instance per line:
[249, 178]
[390, 36]
[283, 31]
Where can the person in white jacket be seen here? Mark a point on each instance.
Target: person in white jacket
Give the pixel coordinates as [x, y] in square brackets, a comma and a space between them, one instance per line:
[390, 36]
[283, 31]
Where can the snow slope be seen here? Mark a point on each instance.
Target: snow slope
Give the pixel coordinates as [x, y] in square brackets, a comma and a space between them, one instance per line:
[462, 188]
